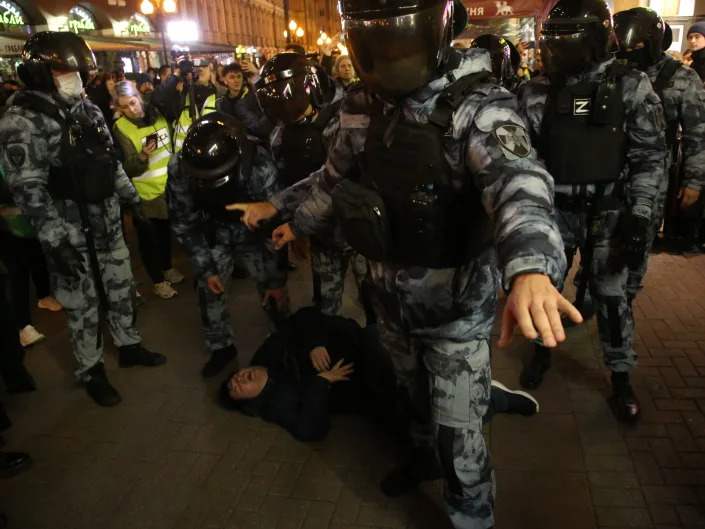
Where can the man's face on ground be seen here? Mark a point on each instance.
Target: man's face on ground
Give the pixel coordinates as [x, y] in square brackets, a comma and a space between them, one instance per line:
[247, 383]
[696, 41]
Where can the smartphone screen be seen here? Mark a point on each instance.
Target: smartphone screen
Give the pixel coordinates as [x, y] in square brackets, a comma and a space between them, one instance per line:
[153, 138]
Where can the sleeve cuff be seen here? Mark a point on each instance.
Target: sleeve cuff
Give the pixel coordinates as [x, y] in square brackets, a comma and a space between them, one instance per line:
[640, 209]
[537, 264]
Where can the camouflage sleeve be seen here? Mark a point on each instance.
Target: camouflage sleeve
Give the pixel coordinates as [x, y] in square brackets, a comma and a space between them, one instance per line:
[315, 212]
[517, 191]
[288, 201]
[24, 154]
[532, 102]
[646, 142]
[692, 114]
[264, 183]
[187, 224]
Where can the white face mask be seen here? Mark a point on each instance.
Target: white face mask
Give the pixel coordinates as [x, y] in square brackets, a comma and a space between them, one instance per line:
[69, 85]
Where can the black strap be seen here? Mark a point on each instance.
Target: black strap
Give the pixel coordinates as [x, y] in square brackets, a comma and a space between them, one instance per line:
[454, 95]
[587, 251]
[663, 80]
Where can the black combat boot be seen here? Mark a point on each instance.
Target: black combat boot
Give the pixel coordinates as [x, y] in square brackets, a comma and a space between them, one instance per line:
[532, 374]
[219, 359]
[422, 465]
[136, 355]
[624, 400]
[99, 388]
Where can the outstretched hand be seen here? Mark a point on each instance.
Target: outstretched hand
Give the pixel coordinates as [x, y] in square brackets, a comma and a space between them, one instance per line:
[536, 306]
[253, 213]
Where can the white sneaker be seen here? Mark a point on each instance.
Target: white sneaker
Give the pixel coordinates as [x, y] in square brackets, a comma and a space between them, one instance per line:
[30, 336]
[164, 290]
[173, 276]
[49, 303]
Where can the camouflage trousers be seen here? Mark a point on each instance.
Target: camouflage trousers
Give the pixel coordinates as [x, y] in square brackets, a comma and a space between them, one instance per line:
[635, 281]
[607, 284]
[80, 301]
[329, 266]
[214, 307]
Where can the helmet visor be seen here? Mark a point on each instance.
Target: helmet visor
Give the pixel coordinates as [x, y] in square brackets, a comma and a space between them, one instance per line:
[396, 55]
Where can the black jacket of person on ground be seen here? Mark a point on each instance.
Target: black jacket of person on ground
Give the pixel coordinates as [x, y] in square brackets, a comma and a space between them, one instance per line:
[295, 395]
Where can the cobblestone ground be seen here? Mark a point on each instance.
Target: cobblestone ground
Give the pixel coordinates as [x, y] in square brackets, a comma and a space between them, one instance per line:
[169, 458]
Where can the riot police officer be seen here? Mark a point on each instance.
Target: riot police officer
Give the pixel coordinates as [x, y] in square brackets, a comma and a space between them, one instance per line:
[305, 103]
[591, 119]
[505, 60]
[220, 164]
[430, 161]
[642, 37]
[61, 168]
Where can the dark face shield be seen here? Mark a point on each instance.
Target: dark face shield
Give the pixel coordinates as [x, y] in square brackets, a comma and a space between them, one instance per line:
[396, 55]
[285, 96]
[567, 54]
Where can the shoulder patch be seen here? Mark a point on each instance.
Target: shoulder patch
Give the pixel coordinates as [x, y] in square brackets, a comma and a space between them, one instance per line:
[513, 139]
[17, 155]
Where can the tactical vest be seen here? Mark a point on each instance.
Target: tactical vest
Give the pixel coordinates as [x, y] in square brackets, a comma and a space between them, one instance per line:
[211, 197]
[411, 208]
[152, 183]
[88, 160]
[664, 80]
[303, 149]
[582, 138]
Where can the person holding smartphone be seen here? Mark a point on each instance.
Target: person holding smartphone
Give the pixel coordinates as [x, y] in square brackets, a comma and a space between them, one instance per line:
[144, 136]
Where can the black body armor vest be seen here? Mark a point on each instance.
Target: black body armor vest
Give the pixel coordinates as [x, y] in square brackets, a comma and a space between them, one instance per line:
[88, 159]
[582, 133]
[303, 149]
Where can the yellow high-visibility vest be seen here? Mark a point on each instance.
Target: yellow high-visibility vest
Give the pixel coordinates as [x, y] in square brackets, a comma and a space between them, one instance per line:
[151, 183]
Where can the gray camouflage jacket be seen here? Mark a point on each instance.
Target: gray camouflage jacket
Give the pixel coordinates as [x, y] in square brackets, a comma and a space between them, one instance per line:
[684, 103]
[517, 192]
[644, 125]
[191, 224]
[29, 146]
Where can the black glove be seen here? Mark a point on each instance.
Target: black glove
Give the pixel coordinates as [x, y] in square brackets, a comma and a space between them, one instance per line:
[634, 241]
[138, 214]
[68, 261]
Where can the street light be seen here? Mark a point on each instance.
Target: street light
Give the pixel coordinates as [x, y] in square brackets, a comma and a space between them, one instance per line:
[162, 8]
[292, 25]
[300, 32]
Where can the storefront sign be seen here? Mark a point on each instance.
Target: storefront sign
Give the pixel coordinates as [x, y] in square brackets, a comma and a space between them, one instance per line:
[9, 46]
[11, 14]
[503, 8]
[80, 20]
[139, 25]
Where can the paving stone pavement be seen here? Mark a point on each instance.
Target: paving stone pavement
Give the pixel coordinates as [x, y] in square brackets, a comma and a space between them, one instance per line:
[169, 458]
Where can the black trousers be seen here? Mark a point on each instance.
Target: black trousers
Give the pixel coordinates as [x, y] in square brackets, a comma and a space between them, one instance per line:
[24, 258]
[11, 351]
[154, 242]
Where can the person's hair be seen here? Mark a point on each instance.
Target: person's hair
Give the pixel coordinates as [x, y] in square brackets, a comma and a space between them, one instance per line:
[151, 69]
[296, 48]
[338, 61]
[231, 68]
[224, 395]
[164, 68]
[127, 89]
[12, 82]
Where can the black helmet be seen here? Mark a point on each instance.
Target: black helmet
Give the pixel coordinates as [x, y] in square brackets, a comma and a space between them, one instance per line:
[54, 50]
[500, 55]
[636, 26]
[288, 84]
[460, 18]
[211, 157]
[397, 46]
[575, 33]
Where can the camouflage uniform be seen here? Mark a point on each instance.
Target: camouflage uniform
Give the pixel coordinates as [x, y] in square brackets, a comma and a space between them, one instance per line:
[215, 245]
[29, 146]
[643, 178]
[330, 255]
[437, 322]
[683, 103]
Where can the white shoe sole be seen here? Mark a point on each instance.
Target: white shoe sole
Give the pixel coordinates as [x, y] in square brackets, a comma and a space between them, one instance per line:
[33, 342]
[501, 386]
